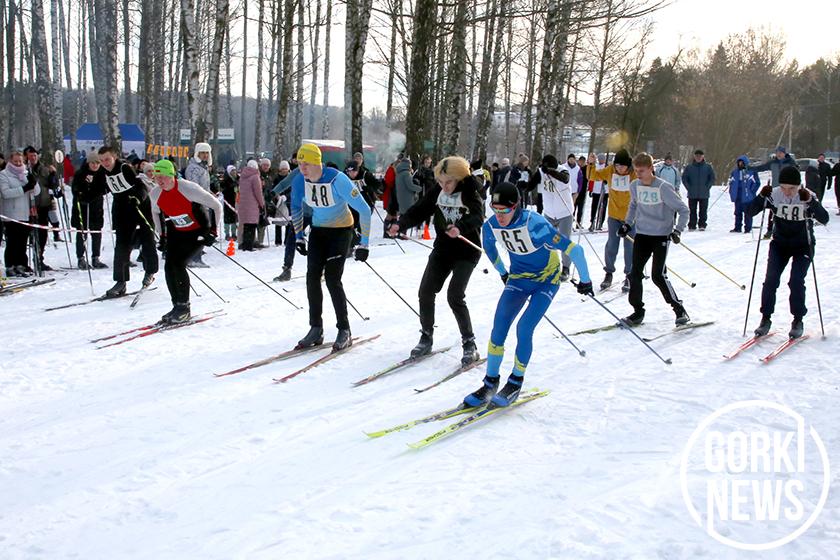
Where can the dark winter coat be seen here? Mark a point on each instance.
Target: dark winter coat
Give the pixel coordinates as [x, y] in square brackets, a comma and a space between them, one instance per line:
[48, 180]
[425, 177]
[774, 165]
[793, 220]
[463, 209]
[88, 197]
[698, 178]
[825, 174]
[230, 187]
[407, 190]
[743, 183]
[812, 178]
[836, 172]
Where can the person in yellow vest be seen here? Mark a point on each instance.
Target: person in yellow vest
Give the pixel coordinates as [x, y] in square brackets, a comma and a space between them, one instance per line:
[618, 177]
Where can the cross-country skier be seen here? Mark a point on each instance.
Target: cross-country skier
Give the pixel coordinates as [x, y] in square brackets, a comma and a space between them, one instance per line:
[618, 177]
[794, 208]
[653, 203]
[534, 275]
[456, 208]
[130, 200]
[330, 194]
[185, 236]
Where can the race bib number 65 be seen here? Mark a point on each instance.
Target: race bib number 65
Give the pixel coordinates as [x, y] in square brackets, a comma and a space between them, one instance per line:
[516, 240]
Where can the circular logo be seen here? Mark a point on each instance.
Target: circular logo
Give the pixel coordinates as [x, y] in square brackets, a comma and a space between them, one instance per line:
[754, 476]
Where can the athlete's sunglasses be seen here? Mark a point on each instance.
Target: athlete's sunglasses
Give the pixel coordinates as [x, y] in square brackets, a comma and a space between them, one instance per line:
[507, 210]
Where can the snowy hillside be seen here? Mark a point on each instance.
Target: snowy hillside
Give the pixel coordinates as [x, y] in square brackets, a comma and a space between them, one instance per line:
[138, 451]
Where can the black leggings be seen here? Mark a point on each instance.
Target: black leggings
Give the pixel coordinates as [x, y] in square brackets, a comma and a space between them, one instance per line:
[17, 236]
[644, 247]
[438, 269]
[180, 248]
[327, 250]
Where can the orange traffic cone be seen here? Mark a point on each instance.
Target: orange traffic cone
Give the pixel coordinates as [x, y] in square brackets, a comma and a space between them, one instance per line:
[231, 250]
[426, 234]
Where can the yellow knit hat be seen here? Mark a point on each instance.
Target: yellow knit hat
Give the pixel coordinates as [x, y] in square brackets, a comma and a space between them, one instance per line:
[309, 153]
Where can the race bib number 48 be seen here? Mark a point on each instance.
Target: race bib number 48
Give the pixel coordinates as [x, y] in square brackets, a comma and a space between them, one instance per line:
[515, 240]
[319, 195]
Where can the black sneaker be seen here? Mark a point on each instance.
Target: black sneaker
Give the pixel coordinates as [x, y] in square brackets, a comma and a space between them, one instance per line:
[116, 290]
[625, 286]
[314, 337]
[148, 278]
[284, 276]
[470, 352]
[564, 274]
[509, 393]
[424, 346]
[682, 316]
[180, 314]
[98, 263]
[607, 282]
[634, 319]
[484, 394]
[763, 327]
[768, 235]
[342, 340]
[796, 328]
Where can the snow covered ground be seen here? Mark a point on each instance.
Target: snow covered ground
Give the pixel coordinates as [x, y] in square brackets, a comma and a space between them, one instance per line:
[138, 451]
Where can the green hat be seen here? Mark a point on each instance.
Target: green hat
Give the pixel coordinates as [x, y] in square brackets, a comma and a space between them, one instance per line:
[164, 167]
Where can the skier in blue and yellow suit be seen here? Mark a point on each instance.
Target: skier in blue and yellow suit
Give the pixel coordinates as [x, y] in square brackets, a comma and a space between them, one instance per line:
[535, 269]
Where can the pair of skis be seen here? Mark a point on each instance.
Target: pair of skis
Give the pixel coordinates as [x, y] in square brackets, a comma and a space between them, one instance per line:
[398, 366]
[789, 343]
[620, 325]
[475, 414]
[20, 286]
[136, 293]
[154, 328]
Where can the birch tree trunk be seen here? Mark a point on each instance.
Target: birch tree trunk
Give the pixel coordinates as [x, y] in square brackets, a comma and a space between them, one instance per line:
[601, 74]
[417, 110]
[315, 55]
[126, 63]
[286, 81]
[188, 38]
[243, 99]
[457, 81]
[545, 88]
[299, 79]
[355, 39]
[58, 110]
[258, 107]
[396, 8]
[43, 85]
[325, 115]
[213, 78]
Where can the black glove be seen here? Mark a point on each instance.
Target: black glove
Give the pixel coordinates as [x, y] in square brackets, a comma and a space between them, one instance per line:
[804, 194]
[766, 191]
[505, 278]
[30, 183]
[564, 175]
[300, 247]
[585, 288]
[209, 239]
[162, 245]
[361, 254]
[58, 192]
[623, 230]
[675, 237]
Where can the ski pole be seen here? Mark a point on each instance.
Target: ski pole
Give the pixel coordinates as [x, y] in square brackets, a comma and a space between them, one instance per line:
[816, 286]
[626, 327]
[237, 263]
[65, 219]
[391, 288]
[725, 189]
[85, 248]
[569, 340]
[713, 267]
[470, 243]
[755, 264]
[406, 238]
[356, 310]
[383, 223]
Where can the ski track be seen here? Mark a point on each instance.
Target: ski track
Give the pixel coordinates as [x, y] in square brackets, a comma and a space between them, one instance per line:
[138, 451]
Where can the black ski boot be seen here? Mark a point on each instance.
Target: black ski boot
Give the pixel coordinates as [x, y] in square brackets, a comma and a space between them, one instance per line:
[98, 263]
[314, 337]
[342, 340]
[509, 393]
[284, 276]
[148, 278]
[564, 274]
[484, 394]
[682, 316]
[470, 351]
[796, 328]
[424, 346]
[634, 319]
[625, 286]
[82, 264]
[607, 282]
[180, 314]
[764, 326]
[116, 290]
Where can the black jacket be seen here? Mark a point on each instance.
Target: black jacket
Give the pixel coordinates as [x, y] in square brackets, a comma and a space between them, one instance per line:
[793, 221]
[463, 208]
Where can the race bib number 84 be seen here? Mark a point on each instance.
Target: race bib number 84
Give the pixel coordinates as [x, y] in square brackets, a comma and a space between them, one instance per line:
[515, 240]
[319, 195]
